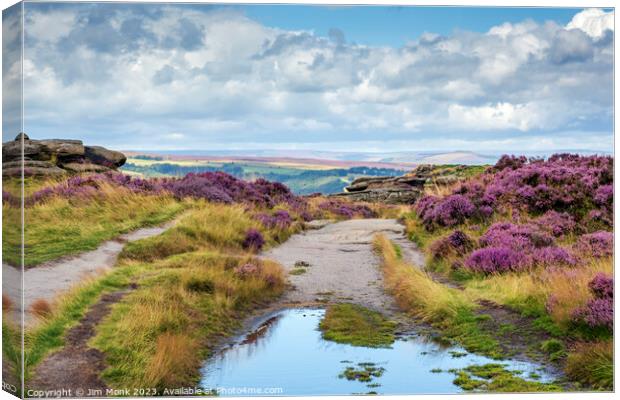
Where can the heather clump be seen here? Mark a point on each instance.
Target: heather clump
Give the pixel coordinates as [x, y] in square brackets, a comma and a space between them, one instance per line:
[224, 188]
[455, 244]
[554, 212]
[253, 240]
[449, 211]
[216, 187]
[280, 219]
[342, 208]
[597, 244]
[517, 237]
[553, 256]
[602, 286]
[599, 311]
[492, 260]
[558, 224]
[565, 183]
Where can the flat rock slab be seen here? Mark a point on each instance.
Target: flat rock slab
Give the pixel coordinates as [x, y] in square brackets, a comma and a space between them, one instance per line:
[342, 264]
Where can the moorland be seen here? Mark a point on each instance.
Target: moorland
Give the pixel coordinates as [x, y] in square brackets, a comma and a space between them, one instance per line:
[513, 261]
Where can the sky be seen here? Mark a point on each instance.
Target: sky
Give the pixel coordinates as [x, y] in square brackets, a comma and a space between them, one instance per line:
[363, 79]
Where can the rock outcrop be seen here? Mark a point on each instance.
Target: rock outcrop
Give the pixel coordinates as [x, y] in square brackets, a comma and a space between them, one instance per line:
[404, 189]
[56, 157]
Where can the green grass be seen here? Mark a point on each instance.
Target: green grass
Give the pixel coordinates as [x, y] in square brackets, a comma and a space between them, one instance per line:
[11, 351]
[62, 227]
[527, 295]
[159, 334]
[357, 325]
[496, 378]
[592, 364]
[49, 335]
[365, 372]
[187, 294]
[298, 271]
[447, 309]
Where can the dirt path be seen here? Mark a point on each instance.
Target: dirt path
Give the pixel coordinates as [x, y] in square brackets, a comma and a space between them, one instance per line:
[48, 280]
[342, 263]
[344, 267]
[76, 368]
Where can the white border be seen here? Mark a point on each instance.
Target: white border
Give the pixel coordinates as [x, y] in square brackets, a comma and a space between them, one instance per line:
[482, 3]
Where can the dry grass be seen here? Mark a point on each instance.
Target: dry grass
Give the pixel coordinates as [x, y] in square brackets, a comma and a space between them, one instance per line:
[439, 190]
[205, 226]
[414, 290]
[57, 227]
[592, 364]
[192, 297]
[174, 362]
[569, 290]
[446, 308]
[7, 303]
[41, 308]
[564, 289]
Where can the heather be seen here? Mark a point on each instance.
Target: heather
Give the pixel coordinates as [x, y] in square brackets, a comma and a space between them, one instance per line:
[186, 288]
[535, 236]
[344, 209]
[524, 213]
[114, 203]
[212, 186]
[599, 310]
[567, 184]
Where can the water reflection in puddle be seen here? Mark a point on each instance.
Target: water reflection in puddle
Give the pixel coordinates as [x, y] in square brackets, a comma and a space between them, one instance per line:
[287, 351]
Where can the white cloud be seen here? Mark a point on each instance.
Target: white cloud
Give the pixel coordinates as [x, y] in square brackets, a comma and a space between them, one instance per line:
[49, 26]
[220, 77]
[523, 117]
[593, 21]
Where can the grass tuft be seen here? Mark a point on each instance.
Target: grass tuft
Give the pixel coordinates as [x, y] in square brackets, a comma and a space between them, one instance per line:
[41, 308]
[592, 364]
[446, 308]
[7, 303]
[357, 325]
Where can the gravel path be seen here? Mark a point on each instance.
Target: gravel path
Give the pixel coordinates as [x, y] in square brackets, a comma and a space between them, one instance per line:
[342, 263]
[48, 280]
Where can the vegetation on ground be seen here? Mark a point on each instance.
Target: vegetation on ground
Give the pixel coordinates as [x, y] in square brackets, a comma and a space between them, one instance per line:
[534, 236]
[62, 225]
[445, 308]
[496, 378]
[186, 287]
[113, 203]
[357, 325]
[363, 372]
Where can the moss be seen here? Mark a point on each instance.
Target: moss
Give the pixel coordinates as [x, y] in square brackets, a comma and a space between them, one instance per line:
[466, 330]
[554, 348]
[398, 250]
[365, 372]
[495, 377]
[298, 271]
[358, 326]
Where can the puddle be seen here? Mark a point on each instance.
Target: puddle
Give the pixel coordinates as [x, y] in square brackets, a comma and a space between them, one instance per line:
[286, 355]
